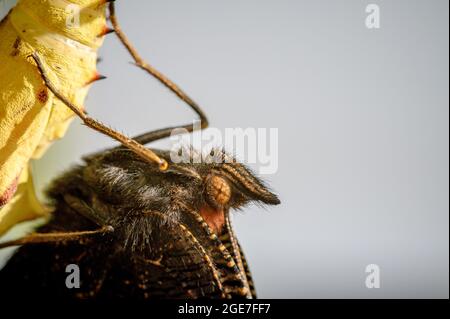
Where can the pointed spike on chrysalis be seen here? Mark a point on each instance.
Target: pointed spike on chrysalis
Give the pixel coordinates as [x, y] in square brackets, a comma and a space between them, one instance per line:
[106, 30]
[95, 78]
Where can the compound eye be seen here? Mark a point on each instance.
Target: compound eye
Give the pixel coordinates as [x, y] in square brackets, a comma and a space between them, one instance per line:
[219, 191]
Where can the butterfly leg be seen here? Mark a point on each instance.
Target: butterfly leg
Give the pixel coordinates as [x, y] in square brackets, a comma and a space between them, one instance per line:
[56, 237]
[78, 206]
[96, 125]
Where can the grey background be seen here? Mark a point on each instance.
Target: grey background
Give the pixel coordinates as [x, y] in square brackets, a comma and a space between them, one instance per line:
[363, 122]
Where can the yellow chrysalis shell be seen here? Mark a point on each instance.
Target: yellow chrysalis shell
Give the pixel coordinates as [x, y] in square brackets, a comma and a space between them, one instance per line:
[30, 117]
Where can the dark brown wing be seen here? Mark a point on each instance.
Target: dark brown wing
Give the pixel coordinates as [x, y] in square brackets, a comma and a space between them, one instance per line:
[39, 271]
[147, 256]
[181, 269]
